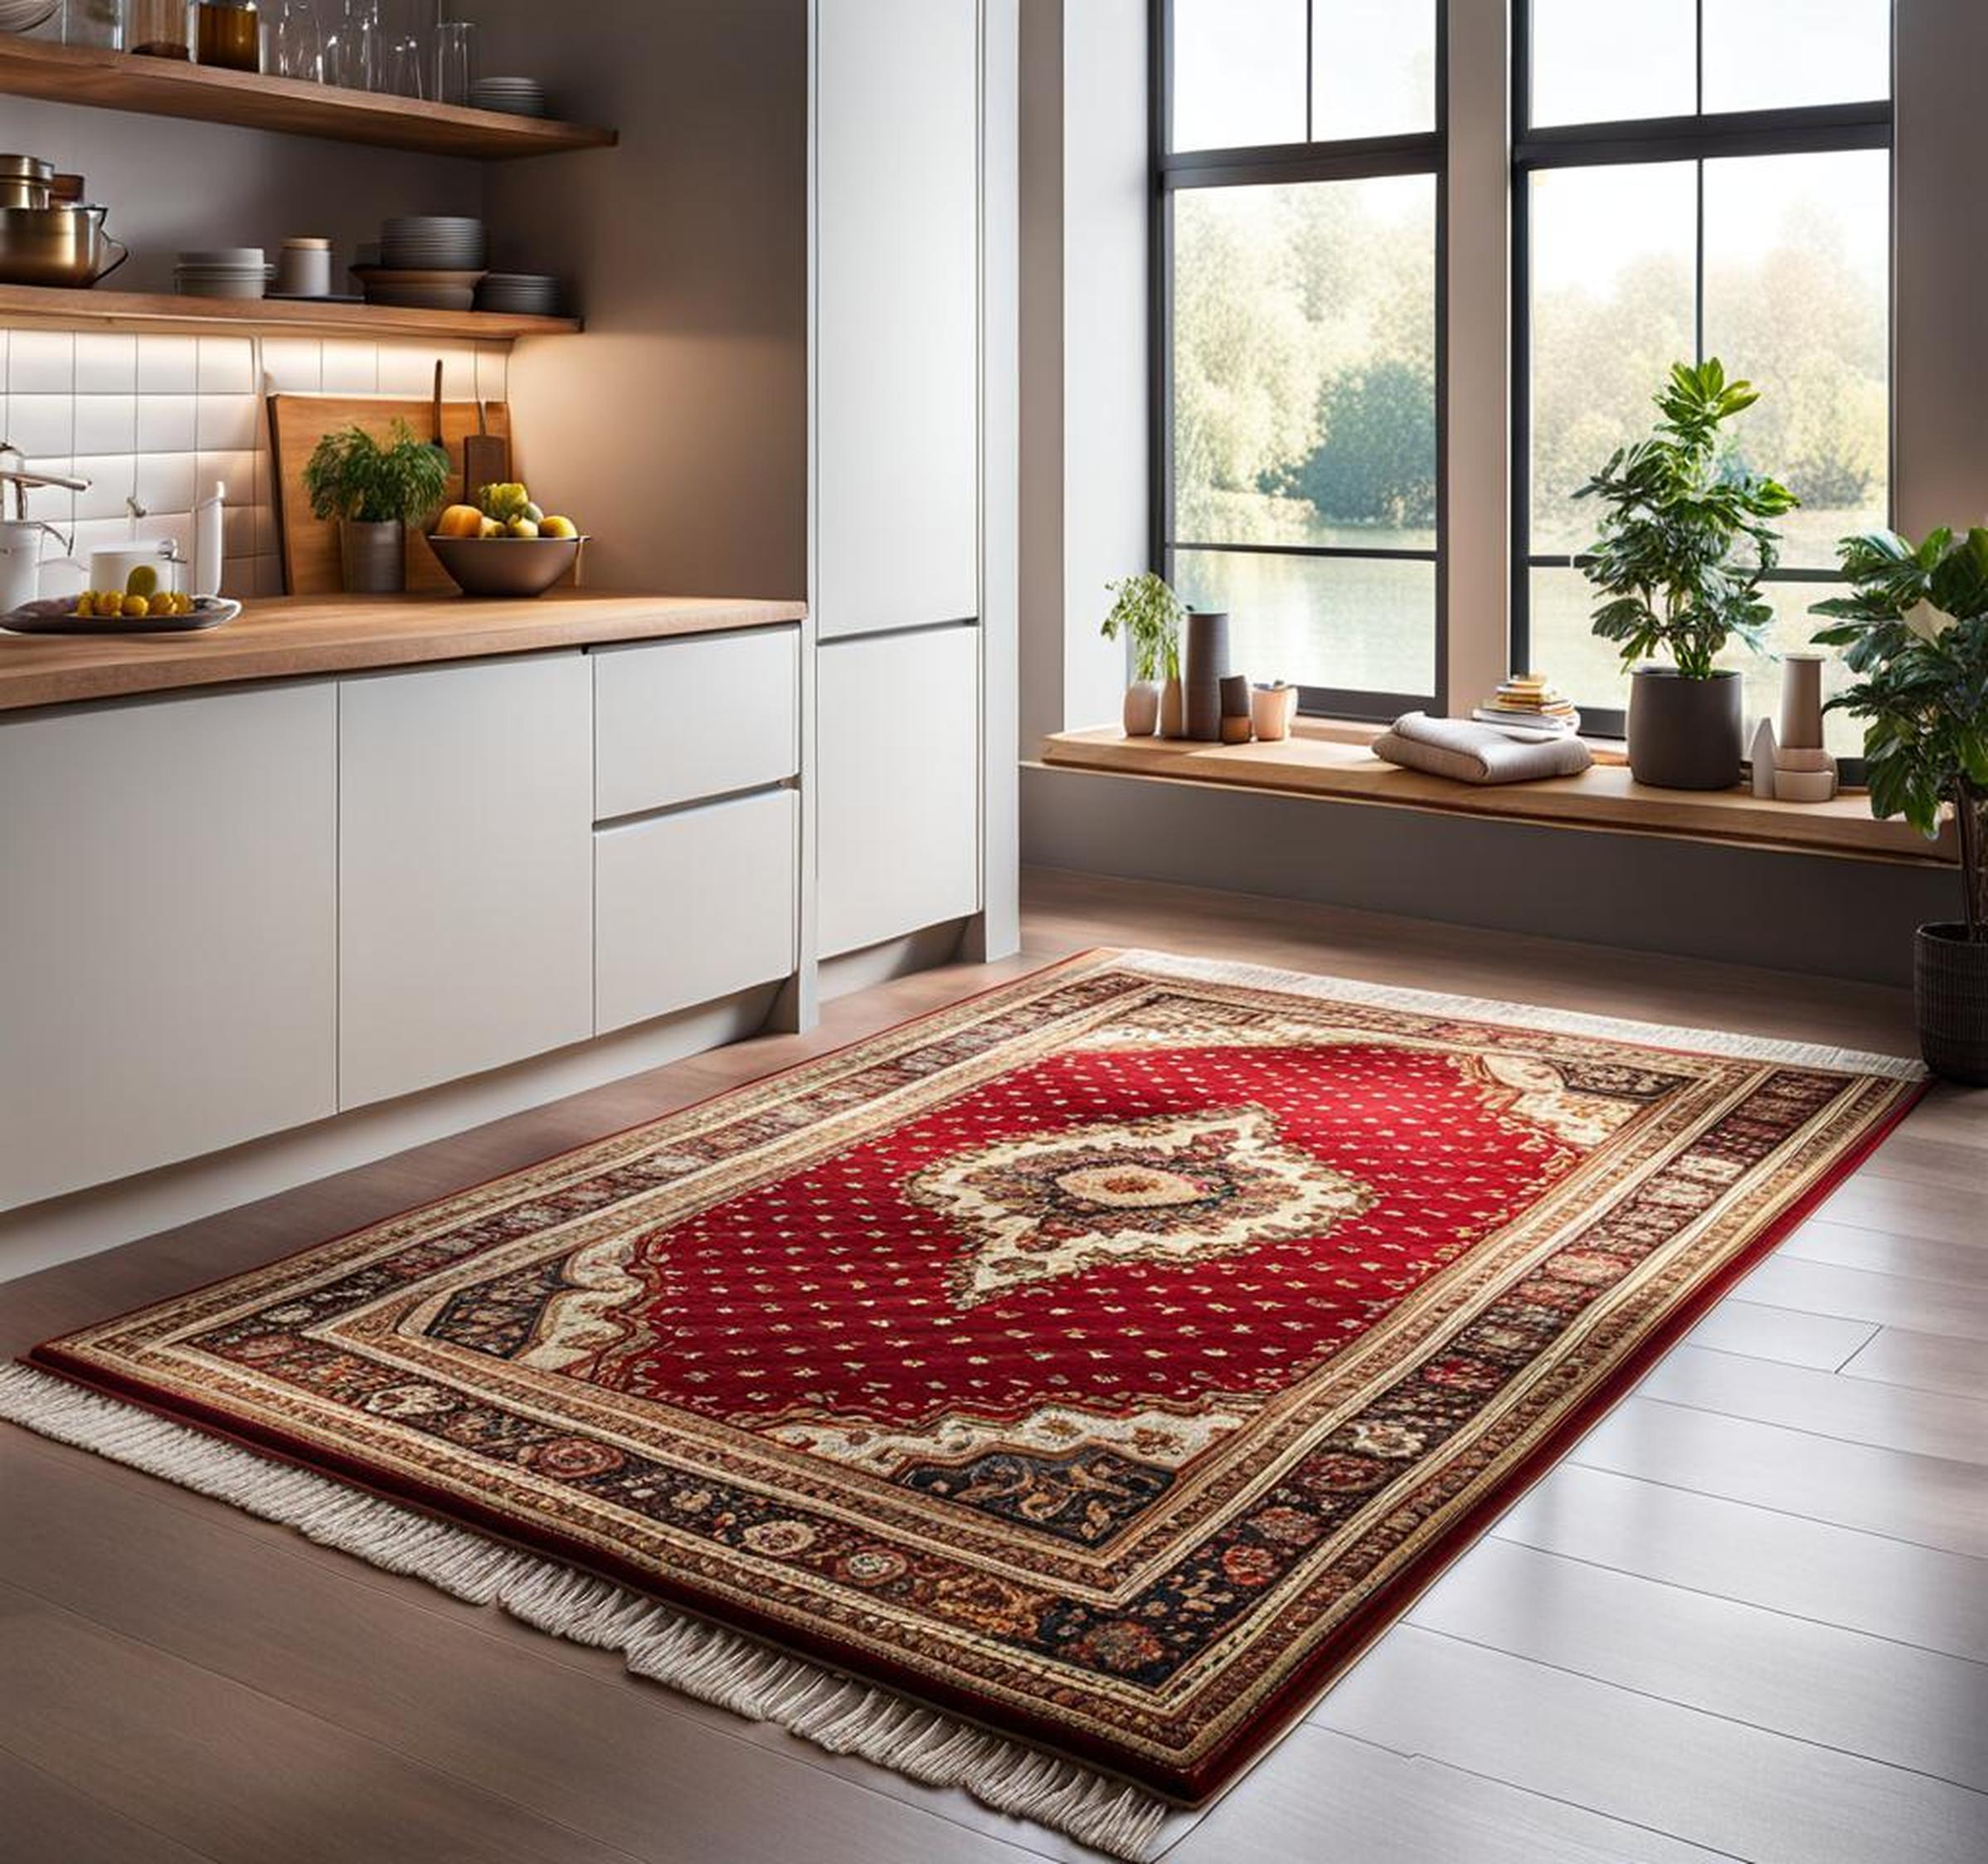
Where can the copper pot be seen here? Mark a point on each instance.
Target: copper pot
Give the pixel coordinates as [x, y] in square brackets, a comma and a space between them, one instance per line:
[56, 246]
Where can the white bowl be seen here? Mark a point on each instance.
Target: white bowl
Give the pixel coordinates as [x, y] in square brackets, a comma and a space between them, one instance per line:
[1804, 786]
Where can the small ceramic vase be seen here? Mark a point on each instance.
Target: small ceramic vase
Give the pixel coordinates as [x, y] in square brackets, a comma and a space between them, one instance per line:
[1207, 668]
[1800, 702]
[1172, 709]
[1142, 709]
[1234, 710]
[1271, 709]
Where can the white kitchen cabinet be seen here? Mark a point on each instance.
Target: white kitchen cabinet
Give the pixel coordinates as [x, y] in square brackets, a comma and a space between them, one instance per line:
[466, 870]
[896, 153]
[897, 748]
[169, 923]
[692, 906]
[675, 720]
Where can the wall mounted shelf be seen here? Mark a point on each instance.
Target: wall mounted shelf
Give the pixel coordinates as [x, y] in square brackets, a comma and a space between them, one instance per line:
[115, 81]
[138, 310]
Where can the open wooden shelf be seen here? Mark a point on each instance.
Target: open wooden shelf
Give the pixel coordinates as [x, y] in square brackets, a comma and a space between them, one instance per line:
[117, 80]
[140, 310]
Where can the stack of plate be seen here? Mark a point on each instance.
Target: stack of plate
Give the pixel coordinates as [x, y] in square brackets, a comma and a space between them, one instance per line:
[513, 96]
[519, 294]
[430, 288]
[432, 242]
[228, 272]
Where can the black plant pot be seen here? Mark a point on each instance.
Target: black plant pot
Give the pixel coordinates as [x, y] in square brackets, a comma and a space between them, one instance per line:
[1949, 983]
[1684, 734]
[1207, 668]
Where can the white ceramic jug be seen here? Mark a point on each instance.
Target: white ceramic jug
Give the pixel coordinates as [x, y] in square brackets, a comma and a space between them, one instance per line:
[21, 560]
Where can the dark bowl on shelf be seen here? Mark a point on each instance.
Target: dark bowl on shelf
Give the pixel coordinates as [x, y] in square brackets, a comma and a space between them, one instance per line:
[506, 566]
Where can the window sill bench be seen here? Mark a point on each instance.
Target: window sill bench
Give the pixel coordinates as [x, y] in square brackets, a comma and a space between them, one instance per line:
[1332, 763]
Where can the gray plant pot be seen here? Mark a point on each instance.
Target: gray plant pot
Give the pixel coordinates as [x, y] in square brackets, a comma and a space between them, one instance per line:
[372, 558]
[1685, 734]
[1950, 984]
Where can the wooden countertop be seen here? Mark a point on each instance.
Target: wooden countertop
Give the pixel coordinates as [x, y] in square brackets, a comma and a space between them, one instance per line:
[1318, 762]
[291, 637]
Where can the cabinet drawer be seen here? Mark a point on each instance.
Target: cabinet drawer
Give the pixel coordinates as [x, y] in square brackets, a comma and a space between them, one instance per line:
[691, 907]
[675, 720]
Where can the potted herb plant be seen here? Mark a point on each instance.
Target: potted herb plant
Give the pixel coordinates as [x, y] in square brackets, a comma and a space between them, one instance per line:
[1148, 614]
[375, 489]
[1915, 632]
[1684, 543]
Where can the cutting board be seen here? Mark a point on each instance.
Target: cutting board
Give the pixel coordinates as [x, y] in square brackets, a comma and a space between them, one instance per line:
[298, 422]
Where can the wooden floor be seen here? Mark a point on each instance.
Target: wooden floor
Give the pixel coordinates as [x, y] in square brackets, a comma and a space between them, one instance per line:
[1748, 1617]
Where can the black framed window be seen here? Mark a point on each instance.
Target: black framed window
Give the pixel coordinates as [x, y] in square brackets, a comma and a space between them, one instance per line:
[1694, 179]
[1297, 343]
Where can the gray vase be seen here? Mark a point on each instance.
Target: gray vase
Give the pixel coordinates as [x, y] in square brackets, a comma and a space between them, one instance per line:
[1685, 734]
[1207, 668]
[372, 558]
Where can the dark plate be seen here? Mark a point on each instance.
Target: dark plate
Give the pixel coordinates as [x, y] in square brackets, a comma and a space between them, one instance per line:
[48, 618]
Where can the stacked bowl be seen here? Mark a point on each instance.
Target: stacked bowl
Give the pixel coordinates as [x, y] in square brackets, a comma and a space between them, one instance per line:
[238, 271]
[519, 294]
[513, 96]
[427, 262]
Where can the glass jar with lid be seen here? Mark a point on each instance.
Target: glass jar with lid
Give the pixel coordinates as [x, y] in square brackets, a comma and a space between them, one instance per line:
[156, 28]
[229, 33]
[98, 24]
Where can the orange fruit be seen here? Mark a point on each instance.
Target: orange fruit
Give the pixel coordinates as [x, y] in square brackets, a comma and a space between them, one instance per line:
[459, 521]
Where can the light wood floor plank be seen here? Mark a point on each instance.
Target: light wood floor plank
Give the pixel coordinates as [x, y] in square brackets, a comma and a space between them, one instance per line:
[1324, 1795]
[1866, 1696]
[1857, 1411]
[1838, 1576]
[1911, 1206]
[1780, 1333]
[1921, 1303]
[576, 1742]
[1955, 1161]
[1927, 1361]
[1931, 1501]
[1699, 1777]
[1876, 1251]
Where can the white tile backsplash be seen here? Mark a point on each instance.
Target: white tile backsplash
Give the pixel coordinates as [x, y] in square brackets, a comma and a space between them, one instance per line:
[157, 420]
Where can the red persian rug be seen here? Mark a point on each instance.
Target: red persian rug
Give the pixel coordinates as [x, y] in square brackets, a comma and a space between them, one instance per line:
[1050, 1396]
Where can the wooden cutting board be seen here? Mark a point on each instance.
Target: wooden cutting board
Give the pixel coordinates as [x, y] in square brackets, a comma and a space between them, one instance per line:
[298, 422]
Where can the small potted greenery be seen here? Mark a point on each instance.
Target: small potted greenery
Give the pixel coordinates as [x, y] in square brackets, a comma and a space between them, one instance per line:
[1682, 547]
[1148, 615]
[1915, 632]
[374, 490]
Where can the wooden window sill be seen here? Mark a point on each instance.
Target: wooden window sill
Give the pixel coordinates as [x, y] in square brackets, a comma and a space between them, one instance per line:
[1332, 762]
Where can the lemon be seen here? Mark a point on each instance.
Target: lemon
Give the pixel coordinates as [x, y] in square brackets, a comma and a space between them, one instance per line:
[143, 582]
[556, 526]
[86, 606]
[138, 607]
[522, 528]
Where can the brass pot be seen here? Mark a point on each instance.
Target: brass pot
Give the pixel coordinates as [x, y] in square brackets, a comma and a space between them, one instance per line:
[56, 246]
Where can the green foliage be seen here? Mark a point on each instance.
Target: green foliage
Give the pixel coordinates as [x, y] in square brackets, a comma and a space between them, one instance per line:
[1376, 461]
[351, 475]
[1915, 632]
[1148, 614]
[1686, 537]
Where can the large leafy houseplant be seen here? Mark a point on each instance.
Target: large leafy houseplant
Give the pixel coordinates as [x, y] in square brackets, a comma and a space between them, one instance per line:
[1915, 632]
[1685, 537]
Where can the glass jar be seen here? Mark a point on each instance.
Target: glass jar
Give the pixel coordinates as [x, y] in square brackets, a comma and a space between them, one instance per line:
[354, 45]
[99, 24]
[156, 28]
[298, 43]
[230, 34]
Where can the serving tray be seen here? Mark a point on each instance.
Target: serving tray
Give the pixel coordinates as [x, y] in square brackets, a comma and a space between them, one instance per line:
[54, 618]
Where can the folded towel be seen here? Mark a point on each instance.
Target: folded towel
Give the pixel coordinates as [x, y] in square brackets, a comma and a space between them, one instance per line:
[1473, 753]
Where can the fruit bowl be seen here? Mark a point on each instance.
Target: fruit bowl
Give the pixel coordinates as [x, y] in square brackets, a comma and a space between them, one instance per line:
[505, 566]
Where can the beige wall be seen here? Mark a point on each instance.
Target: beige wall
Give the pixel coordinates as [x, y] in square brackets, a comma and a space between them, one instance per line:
[676, 430]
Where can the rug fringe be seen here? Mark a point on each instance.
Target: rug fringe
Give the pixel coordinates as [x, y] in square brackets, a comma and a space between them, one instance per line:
[1562, 1022]
[703, 1660]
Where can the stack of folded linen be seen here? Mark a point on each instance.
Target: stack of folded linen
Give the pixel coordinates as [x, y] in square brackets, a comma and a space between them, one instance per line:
[1475, 753]
[1530, 700]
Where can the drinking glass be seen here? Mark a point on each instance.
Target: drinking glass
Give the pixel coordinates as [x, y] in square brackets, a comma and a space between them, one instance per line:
[402, 74]
[352, 46]
[99, 24]
[455, 60]
[300, 42]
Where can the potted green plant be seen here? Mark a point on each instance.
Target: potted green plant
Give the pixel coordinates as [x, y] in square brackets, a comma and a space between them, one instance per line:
[1148, 615]
[374, 490]
[1682, 547]
[1915, 632]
